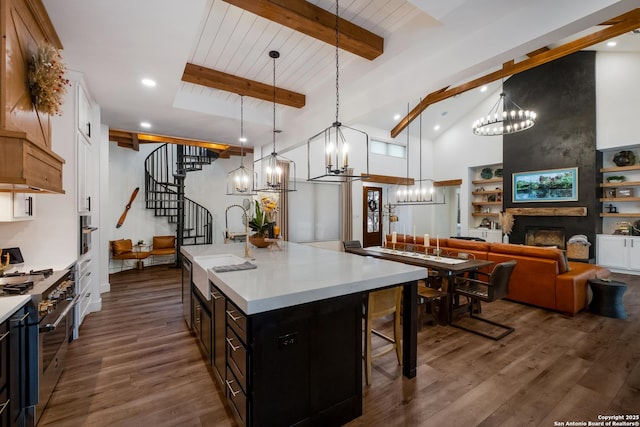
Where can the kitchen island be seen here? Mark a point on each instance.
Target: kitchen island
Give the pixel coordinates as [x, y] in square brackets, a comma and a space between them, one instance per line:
[290, 330]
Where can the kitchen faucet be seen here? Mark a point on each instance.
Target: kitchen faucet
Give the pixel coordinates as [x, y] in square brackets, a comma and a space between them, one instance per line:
[246, 226]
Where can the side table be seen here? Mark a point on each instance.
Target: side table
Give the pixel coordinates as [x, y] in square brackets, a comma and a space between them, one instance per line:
[142, 252]
[607, 298]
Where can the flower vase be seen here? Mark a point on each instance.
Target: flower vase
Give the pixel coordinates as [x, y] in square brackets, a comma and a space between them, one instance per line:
[505, 238]
[258, 241]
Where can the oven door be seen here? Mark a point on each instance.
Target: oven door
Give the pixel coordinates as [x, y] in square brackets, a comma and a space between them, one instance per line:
[54, 341]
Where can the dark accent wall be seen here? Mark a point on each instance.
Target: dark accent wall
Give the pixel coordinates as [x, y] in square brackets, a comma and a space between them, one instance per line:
[563, 95]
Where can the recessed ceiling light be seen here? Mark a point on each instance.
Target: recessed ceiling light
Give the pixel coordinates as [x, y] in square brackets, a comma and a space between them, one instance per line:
[483, 89]
[612, 43]
[145, 125]
[436, 127]
[396, 117]
[149, 82]
[242, 139]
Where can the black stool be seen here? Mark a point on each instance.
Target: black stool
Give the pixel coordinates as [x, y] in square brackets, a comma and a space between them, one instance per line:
[607, 298]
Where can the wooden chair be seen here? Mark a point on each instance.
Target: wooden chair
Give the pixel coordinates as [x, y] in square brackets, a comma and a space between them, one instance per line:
[163, 246]
[379, 304]
[494, 288]
[123, 250]
[351, 244]
[434, 301]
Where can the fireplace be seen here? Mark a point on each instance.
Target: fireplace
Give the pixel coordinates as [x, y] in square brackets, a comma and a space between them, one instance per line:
[545, 236]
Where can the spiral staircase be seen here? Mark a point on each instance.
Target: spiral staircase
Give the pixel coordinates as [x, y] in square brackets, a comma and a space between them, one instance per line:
[165, 171]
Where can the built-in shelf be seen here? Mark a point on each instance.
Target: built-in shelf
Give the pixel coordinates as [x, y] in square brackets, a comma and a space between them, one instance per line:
[620, 184]
[486, 203]
[479, 193]
[484, 214]
[621, 168]
[620, 199]
[487, 181]
[621, 215]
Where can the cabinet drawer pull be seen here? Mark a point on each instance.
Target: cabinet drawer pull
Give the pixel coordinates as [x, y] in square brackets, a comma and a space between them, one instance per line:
[233, 393]
[5, 404]
[215, 295]
[4, 336]
[234, 318]
[22, 319]
[233, 347]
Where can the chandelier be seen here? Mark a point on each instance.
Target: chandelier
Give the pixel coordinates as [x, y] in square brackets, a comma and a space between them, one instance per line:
[510, 119]
[331, 147]
[278, 172]
[421, 191]
[240, 181]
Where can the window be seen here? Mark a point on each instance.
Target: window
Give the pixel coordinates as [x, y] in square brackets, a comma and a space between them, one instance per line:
[314, 212]
[388, 149]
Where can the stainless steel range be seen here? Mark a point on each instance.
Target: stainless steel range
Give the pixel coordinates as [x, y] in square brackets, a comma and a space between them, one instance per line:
[54, 297]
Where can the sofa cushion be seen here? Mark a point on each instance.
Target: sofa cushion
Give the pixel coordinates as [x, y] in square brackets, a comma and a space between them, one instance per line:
[118, 247]
[469, 244]
[533, 251]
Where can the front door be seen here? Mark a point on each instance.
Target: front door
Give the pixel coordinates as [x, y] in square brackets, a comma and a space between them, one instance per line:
[372, 214]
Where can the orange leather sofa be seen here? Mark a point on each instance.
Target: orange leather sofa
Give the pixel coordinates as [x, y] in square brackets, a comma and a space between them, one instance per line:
[542, 277]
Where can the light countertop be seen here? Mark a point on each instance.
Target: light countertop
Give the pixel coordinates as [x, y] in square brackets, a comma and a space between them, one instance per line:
[9, 305]
[297, 274]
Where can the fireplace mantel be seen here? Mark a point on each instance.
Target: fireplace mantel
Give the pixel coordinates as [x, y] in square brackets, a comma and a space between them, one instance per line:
[575, 211]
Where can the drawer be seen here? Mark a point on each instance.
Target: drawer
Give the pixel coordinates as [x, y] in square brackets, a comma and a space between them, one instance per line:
[4, 354]
[237, 399]
[237, 320]
[237, 358]
[4, 407]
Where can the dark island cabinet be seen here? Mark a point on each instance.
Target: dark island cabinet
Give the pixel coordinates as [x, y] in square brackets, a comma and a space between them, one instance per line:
[295, 366]
[201, 322]
[18, 360]
[218, 331]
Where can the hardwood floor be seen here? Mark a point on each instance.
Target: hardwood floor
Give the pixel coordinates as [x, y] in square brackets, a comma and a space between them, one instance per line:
[136, 364]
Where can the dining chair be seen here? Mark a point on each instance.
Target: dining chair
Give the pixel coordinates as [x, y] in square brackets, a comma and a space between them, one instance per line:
[351, 244]
[379, 304]
[434, 301]
[163, 246]
[494, 288]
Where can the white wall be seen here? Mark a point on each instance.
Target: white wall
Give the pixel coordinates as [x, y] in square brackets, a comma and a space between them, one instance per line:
[617, 99]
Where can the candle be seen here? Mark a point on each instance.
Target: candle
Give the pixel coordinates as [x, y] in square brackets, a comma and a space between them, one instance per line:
[437, 243]
[394, 237]
[426, 240]
[414, 235]
[345, 155]
[404, 233]
[329, 151]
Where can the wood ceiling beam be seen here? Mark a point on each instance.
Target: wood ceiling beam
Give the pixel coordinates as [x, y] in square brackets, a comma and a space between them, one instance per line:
[228, 82]
[316, 22]
[624, 23]
[130, 139]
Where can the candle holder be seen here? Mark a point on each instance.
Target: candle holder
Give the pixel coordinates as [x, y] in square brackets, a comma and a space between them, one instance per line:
[394, 247]
[437, 253]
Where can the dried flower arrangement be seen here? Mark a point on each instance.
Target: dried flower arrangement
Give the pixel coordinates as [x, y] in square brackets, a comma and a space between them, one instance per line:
[47, 82]
[506, 222]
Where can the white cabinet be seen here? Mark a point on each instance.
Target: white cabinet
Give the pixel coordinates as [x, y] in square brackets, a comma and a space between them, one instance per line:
[494, 236]
[618, 252]
[84, 113]
[16, 206]
[84, 172]
[84, 287]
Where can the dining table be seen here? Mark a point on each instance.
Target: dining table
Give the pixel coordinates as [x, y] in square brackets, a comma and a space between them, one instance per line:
[447, 267]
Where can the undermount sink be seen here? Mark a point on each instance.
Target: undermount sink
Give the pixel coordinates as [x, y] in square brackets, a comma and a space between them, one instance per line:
[210, 261]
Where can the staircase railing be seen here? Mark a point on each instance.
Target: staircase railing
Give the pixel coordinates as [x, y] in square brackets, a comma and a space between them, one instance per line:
[165, 170]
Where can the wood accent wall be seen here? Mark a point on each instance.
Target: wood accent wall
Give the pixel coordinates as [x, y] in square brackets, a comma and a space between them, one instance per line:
[25, 25]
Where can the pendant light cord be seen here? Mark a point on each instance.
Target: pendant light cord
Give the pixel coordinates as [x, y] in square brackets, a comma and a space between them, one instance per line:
[241, 130]
[274, 56]
[337, 65]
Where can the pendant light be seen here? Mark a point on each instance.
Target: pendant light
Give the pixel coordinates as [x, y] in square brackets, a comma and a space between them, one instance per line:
[278, 174]
[422, 191]
[240, 181]
[511, 118]
[328, 151]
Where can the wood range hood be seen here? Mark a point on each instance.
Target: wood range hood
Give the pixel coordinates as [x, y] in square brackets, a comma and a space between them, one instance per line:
[27, 162]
